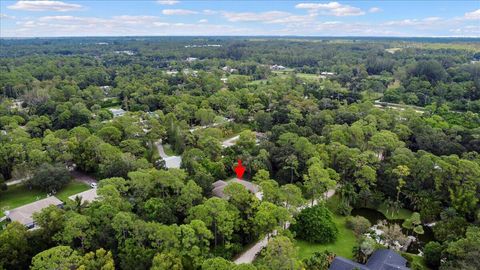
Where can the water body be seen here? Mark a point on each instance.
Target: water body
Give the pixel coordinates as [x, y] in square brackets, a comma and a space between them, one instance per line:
[375, 216]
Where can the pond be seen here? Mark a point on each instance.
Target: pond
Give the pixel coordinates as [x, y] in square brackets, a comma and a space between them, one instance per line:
[374, 216]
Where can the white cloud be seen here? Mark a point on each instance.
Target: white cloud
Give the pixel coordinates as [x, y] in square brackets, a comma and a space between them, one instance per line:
[271, 17]
[44, 6]
[467, 31]
[124, 25]
[474, 15]
[332, 8]
[425, 22]
[374, 10]
[178, 12]
[209, 12]
[254, 17]
[168, 2]
[203, 21]
[6, 17]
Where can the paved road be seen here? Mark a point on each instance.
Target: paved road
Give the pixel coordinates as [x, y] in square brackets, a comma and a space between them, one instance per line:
[14, 182]
[395, 106]
[249, 255]
[230, 142]
[83, 177]
[170, 161]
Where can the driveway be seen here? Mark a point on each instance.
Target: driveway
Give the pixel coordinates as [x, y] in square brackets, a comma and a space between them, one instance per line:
[230, 142]
[83, 177]
[170, 161]
[249, 255]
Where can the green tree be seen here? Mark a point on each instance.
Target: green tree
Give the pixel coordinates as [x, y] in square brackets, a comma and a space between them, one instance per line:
[167, 261]
[217, 263]
[221, 217]
[50, 177]
[319, 260]
[14, 247]
[269, 217]
[315, 224]
[433, 253]
[281, 254]
[317, 182]
[60, 257]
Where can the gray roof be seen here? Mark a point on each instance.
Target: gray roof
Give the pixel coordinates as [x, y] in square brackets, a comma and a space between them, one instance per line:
[86, 196]
[383, 259]
[340, 263]
[23, 214]
[386, 259]
[219, 186]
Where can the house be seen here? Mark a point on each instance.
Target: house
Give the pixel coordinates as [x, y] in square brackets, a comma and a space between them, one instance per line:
[117, 112]
[219, 187]
[383, 259]
[326, 73]
[228, 69]
[277, 67]
[191, 59]
[24, 214]
[86, 196]
[172, 72]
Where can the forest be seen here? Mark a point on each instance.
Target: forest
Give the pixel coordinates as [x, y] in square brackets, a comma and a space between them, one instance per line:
[342, 137]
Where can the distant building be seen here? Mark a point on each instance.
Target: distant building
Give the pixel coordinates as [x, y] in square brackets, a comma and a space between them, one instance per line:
[191, 59]
[117, 112]
[326, 73]
[106, 89]
[172, 72]
[24, 214]
[383, 259]
[228, 69]
[277, 67]
[86, 196]
[125, 52]
[220, 185]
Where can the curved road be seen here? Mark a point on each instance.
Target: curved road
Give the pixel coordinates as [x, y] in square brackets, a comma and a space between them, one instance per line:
[249, 255]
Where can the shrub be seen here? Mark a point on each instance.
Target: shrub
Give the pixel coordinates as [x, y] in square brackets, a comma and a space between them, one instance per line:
[319, 260]
[433, 253]
[315, 224]
[344, 209]
[358, 224]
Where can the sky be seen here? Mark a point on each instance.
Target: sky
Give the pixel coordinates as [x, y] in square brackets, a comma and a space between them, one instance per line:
[45, 18]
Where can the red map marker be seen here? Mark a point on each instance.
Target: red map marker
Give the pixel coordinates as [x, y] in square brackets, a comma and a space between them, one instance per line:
[239, 169]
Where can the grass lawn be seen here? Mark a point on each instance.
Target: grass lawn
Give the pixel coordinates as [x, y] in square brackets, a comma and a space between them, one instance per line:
[73, 187]
[345, 241]
[342, 247]
[168, 150]
[19, 195]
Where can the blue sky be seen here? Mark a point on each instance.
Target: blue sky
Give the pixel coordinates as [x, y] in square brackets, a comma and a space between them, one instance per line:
[45, 18]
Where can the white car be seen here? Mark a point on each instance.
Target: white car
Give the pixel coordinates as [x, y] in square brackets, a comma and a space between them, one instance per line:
[93, 185]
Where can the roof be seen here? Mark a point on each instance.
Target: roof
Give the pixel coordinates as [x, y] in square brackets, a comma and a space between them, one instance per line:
[24, 214]
[219, 186]
[383, 259]
[86, 196]
[340, 263]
